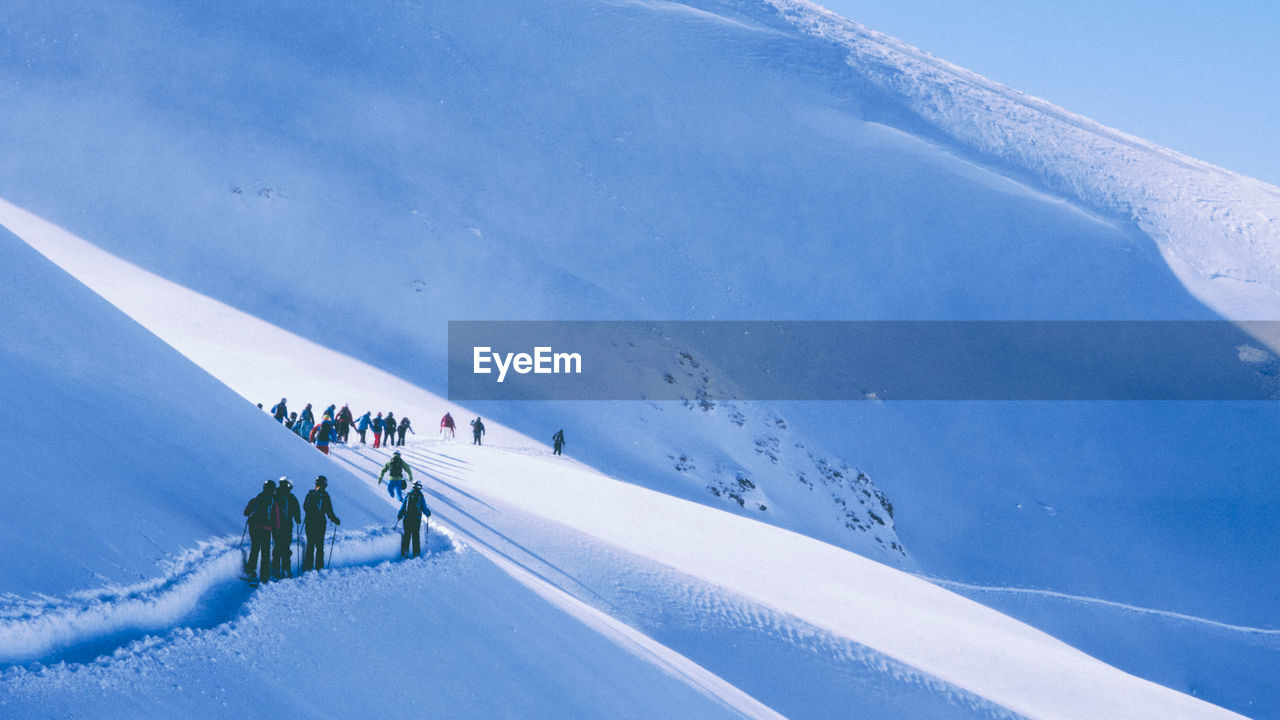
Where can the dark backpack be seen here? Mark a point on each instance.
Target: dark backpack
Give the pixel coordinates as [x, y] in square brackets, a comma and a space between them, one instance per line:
[312, 504]
[414, 503]
[261, 512]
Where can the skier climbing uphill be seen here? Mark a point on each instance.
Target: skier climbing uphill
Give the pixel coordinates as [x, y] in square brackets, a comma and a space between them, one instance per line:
[412, 511]
[285, 514]
[259, 513]
[318, 507]
[397, 467]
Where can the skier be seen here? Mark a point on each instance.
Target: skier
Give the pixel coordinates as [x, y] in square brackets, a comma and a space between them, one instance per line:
[389, 430]
[362, 426]
[446, 426]
[280, 411]
[259, 513]
[344, 424]
[477, 430]
[285, 514]
[292, 421]
[558, 441]
[412, 510]
[402, 429]
[377, 431]
[304, 426]
[307, 416]
[318, 507]
[323, 435]
[397, 467]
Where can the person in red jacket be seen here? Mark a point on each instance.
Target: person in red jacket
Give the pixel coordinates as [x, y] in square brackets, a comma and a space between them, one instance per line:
[446, 426]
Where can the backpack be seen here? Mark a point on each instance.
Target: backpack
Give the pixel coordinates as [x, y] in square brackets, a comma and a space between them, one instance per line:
[261, 514]
[413, 505]
[312, 504]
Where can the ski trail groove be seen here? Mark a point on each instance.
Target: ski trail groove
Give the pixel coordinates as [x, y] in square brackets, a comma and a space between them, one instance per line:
[1082, 599]
[203, 590]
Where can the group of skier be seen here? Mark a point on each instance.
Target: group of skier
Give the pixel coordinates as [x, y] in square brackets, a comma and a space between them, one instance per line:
[335, 426]
[273, 515]
[271, 518]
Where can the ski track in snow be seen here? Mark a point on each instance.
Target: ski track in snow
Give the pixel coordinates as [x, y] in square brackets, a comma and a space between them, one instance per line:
[954, 585]
[204, 589]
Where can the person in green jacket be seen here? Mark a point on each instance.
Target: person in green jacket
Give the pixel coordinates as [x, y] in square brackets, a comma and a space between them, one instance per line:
[397, 467]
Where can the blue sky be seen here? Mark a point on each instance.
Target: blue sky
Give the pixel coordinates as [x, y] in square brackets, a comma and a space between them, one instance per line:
[1201, 78]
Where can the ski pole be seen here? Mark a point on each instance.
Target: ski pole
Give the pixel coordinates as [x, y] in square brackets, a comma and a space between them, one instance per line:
[331, 539]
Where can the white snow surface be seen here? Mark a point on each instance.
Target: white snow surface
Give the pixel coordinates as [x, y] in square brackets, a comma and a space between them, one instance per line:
[510, 494]
[358, 177]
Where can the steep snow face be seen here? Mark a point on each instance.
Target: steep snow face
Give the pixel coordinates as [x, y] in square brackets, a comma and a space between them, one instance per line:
[133, 454]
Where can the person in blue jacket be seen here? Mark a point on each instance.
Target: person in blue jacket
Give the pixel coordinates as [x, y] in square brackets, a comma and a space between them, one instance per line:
[412, 511]
[362, 425]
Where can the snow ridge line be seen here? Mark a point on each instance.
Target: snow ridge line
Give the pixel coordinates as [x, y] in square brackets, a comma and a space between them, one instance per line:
[954, 585]
[204, 590]
[1219, 223]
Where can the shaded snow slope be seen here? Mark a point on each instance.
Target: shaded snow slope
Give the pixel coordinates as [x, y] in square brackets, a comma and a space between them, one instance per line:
[132, 453]
[452, 634]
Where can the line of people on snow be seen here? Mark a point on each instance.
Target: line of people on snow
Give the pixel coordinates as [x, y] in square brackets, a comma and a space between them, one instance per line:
[335, 426]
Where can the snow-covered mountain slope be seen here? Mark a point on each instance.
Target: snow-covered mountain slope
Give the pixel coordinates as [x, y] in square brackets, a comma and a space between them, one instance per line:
[130, 453]
[738, 454]
[360, 177]
[580, 539]
[562, 527]
[1219, 231]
